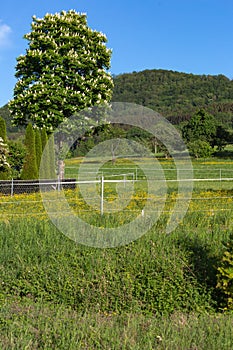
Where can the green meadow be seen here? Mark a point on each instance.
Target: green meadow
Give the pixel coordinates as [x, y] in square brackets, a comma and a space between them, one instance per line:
[157, 292]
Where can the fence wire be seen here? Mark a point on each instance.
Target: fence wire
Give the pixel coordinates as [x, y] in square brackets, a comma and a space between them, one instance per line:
[15, 200]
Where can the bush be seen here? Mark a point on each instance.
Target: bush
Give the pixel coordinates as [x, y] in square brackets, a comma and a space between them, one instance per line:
[17, 152]
[200, 149]
[225, 275]
[4, 165]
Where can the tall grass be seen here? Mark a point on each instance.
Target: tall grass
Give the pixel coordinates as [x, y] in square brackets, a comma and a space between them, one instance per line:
[158, 292]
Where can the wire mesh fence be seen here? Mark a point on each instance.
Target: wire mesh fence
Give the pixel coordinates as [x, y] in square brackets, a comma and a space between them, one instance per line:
[104, 187]
[12, 187]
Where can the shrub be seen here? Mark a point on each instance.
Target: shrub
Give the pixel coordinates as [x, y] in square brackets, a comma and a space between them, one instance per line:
[17, 152]
[200, 149]
[225, 275]
[4, 165]
[3, 129]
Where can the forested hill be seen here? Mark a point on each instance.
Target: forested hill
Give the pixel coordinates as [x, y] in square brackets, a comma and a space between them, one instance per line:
[177, 95]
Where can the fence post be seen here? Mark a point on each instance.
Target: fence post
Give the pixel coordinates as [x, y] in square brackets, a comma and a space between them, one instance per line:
[58, 183]
[12, 187]
[102, 196]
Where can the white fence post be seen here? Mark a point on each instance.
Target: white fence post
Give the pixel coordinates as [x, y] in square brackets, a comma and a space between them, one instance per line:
[12, 187]
[58, 183]
[102, 196]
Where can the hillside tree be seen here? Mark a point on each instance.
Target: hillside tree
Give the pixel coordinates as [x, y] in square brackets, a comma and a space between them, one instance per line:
[201, 126]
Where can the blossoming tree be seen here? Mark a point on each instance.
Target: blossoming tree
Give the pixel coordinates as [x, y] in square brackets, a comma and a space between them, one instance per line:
[63, 71]
[4, 165]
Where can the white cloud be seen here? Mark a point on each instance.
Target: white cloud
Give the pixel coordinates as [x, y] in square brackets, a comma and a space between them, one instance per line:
[5, 31]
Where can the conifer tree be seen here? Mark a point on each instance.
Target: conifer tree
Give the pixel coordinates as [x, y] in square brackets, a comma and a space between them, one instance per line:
[30, 170]
[38, 146]
[52, 165]
[44, 170]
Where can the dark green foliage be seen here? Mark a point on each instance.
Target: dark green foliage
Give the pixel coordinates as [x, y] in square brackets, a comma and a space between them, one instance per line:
[225, 275]
[222, 138]
[5, 114]
[38, 146]
[97, 135]
[3, 129]
[200, 149]
[30, 170]
[44, 169]
[52, 165]
[47, 170]
[17, 153]
[44, 138]
[201, 126]
[176, 95]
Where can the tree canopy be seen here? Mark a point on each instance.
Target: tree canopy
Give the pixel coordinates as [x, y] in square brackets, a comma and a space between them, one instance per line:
[63, 71]
[202, 126]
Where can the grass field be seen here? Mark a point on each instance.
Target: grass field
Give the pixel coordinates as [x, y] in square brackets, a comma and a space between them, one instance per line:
[158, 292]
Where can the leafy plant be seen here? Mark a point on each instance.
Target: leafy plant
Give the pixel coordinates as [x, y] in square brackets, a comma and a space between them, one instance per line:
[225, 275]
[200, 149]
[4, 165]
[17, 152]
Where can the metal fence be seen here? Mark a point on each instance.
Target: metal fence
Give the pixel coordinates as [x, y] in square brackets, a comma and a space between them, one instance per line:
[169, 173]
[12, 187]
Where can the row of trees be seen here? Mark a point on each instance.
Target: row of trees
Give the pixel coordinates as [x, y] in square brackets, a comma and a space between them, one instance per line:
[35, 142]
[22, 160]
[201, 133]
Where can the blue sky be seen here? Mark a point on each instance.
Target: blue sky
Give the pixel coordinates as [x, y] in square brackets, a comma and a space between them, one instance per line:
[193, 36]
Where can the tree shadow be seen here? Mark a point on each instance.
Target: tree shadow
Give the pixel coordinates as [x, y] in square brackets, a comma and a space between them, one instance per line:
[202, 264]
[224, 154]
